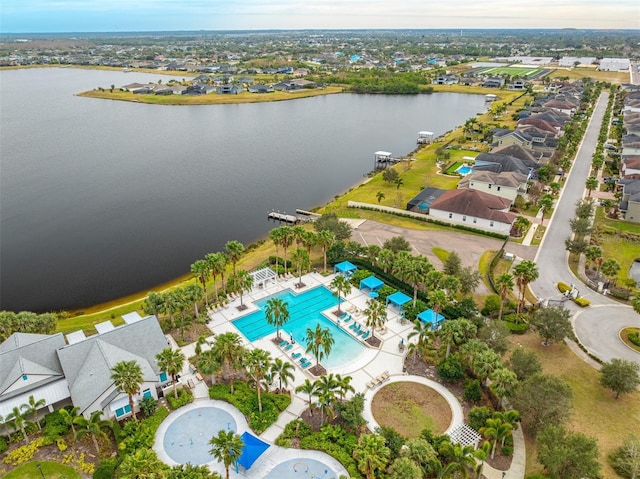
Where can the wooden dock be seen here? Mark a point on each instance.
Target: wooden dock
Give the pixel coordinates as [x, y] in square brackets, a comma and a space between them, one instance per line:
[283, 217]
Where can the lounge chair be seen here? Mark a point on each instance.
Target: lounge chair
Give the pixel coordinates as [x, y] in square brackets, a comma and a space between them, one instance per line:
[306, 365]
[283, 343]
[370, 384]
[353, 326]
[385, 375]
[288, 347]
[343, 315]
[366, 335]
[347, 319]
[296, 355]
[303, 360]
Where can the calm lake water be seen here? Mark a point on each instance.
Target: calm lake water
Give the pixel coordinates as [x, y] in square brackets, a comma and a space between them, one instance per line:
[99, 199]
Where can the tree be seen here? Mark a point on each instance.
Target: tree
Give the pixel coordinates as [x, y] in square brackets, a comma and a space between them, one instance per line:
[171, 361]
[319, 342]
[456, 332]
[376, 314]
[495, 431]
[371, 454]
[154, 303]
[404, 468]
[460, 459]
[567, 455]
[594, 255]
[399, 182]
[625, 459]
[520, 224]
[341, 287]
[469, 280]
[620, 375]
[227, 347]
[390, 175]
[423, 330]
[576, 246]
[495, 335]
[386, 259]
[635, 303]
[189, 471]
[127, 378]
[217, 265]
[545, 203]
[326, 239]
[610, 268]
[452, 265]
[414, 268]
[343, 385]
[258, 363]
[504, 285]
[31, 409]
[192, 294]
[503, 382]
[68, 415]
[380, 196]
[209, 363]
[525, 272]
[143, 464]
[94, 426]
[397, 244]
[234, 250]
[241, 282]
[330, 222]
[580, 226]
[553, 323]
[591, 184]
[524, 363]
[201, 270]
[283, 370]
[300, 260]
[327, 387]
[18, 422]
[276, 313]
[309, 388]
[227, 448]
[485, 363]
[541, 400]
[437, 300]
[584, 208]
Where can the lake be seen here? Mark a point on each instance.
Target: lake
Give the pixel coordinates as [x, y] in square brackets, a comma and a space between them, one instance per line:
[100, 199]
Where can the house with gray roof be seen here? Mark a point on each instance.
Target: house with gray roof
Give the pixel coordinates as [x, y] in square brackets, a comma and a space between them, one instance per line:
[630, 202]
[29, 366]
[499, 163]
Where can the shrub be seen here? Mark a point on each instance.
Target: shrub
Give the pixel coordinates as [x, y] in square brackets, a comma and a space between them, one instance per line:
[148, 405]
[294, 429]
[634, 337]
[491, 305]
[3, 445]
[563, 287]
[582, 302]
[106, 469]
[507, 450]
[135, 435]
[516, 328]
[339, 451]
[472, 390]
[384, 292]
[54, 427]
[478, 416]
[450, 369]
[185, 396]
[23, 454]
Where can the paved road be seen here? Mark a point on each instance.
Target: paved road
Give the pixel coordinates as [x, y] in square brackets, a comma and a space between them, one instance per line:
[597, 327]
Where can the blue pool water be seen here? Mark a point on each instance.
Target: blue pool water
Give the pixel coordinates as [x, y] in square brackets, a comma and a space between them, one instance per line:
[187, 438]
[304, 312]
[463, 170]
[302, 468]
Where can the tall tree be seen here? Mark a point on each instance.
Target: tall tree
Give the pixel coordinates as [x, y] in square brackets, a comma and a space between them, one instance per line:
[456, 332]
[341, 288]
[201, 270]
[301, 262]
[503, 382]
[326, 239]
[591, 184]
[386, 259]
[620, 375]
[94, 427]
[327, 388]
[319, 342]
[494, 431]
[460, 459]
[209, 363]
[287, 237]
[241, 282]
[371, 454]
[31, 409]
[228, 348]
[171, 361]
[234, 250]
[423, 330]
[258, 363]
[226, 448]
[310, 389]
[504, 285]
[217, 265]
[275, 235]
[452, 265]
[376, 314]
[283, 370]
[525, 272]
[567, 455]
[524, 363]
[625, 459]
[276, 313]
[546, 203]
[18, 422]
[553, 323]
[68, 415]
[154, 303]
[127, 378]
[343, 385]
[610, 268]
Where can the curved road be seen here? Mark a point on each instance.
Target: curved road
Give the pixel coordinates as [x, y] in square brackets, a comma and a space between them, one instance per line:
[597, 326]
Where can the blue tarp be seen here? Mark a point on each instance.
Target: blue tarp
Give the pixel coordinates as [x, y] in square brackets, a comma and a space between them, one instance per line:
[429, 316]
[253, 448]
[344, 267]
[372, 283]
[398, 299]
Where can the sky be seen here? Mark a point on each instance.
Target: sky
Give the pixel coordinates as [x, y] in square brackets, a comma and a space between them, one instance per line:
[31, 16]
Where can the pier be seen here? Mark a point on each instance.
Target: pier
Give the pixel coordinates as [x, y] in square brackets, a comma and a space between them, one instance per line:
[283, 217]
[425, 137]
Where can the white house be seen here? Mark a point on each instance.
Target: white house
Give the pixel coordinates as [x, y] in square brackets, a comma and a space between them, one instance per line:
[508, 184]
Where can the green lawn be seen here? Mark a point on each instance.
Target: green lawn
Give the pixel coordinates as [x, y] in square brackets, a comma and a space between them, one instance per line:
[622, 250]
[50, 470]
[441, 253]
[513, 71]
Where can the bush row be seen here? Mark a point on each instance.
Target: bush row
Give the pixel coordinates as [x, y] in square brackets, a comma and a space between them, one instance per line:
[185, 396]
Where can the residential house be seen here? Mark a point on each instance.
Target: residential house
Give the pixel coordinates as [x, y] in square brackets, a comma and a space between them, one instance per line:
[507, 184]
[517, 85]
[499, 163]
[423, 200]
[630, 167]
[493, 82]
[518, 151]
[630, 202]
[631, 145]
[474, 208]
[260, 88]
[229, 89]
[448, 79]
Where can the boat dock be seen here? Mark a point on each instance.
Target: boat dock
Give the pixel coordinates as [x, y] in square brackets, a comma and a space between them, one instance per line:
[302, 216]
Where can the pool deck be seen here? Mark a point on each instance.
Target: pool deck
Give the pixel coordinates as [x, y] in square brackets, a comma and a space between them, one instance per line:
[369, 365]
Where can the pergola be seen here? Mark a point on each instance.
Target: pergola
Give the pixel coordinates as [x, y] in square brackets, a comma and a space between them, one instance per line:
[465, 436]
[430, 316]
[345, 268]
[371, 283]
[398, 299]
[261, 276]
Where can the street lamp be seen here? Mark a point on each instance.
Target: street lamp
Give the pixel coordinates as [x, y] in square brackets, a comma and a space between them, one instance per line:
[503, 474]
[40, 469]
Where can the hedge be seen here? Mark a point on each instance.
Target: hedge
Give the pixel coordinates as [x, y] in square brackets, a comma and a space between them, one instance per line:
[582, 302]
[634, 337]
[563, 287]
[185, 396]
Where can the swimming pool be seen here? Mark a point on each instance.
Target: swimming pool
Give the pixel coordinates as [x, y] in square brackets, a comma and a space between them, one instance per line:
[187, 438]
[463, 170]
[305, 311]
[302, 468]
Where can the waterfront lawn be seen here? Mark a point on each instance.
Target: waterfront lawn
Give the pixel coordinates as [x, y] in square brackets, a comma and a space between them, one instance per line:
[591, 72]
[596, 412]
[622, 250]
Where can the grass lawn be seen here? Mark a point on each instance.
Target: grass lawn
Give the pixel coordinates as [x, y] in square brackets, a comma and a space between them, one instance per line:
[511, 70]
[411, 408]
[483, 266]
[595, 411]
[624, 334]
[613, 246]
[441, 253]
[579, 73]
[537, 238]
[50, 470]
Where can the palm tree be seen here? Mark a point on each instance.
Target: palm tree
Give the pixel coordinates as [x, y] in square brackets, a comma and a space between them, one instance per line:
[423, 330]
[415, 271]
[201, 270]
[504, 284]
[503, 381]
[594, 254]
[241, 282]
[234, 250]
[298, 234]
[386, 259]
[460, 459]
[227, 347]
[510, 417]
[319, 342]
[171, 361]
[227, 448]
[275, 235]
[94, 426]
[309, 240]
[376, 314]
[284, 371]
[127, 378]
[258, 363]
[300, 260]
[31, 408]
[217, 265]
[68, 416]
[371, 454]
[486, 363]
[276, 313]
[327, 386]
[209, 363]
[18, 421]
[343, 385]
[309, 388]
[456, 331]
[192, 294]
[591, 184]
[341, 287]
[521, 223]
[172, 303]
[610, 268]
[326, 239]
[143, 464]
[545, 203]
[154, 304]
[525, 272]
[287, 240]
[495, 430]
[437, 300]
